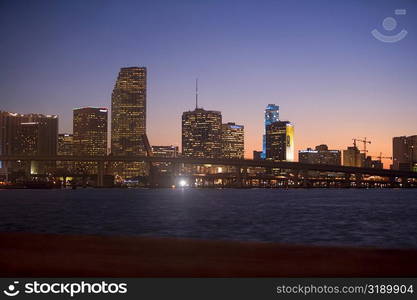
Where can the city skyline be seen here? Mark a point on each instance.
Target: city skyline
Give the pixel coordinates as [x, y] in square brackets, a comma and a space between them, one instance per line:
[125, 81]
[260, 140]
[330, 77]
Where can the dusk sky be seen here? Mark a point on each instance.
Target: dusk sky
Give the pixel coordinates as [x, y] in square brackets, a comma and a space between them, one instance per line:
[317, 60]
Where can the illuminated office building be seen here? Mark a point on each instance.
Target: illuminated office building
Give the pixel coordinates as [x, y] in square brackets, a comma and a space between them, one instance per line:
[128, 119]
[28, 142]
[65, 147]
[404, 153]
[352, 157]
[28, 134]
[90, 131]
[280, 141]
[233, 141]
[89, 136]
[271, 116]
[27, 139]
[65, 144]
[47, 130]
[201, 133]
[320, 155]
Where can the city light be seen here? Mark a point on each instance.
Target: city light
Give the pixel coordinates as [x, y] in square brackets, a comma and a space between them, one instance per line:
[183, 183]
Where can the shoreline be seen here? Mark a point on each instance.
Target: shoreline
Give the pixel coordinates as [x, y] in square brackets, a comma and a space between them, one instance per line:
[58, 255]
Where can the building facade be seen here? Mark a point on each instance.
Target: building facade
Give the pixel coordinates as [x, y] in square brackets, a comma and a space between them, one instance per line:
[28, 134]
[28, 139]
[128, 119]
[320, 155]
[65, 147]
[128, 116]
[65, 144]
[201, 133]
[352, 157]
[233, 145]
[280, 141]
[404, 152]
[89, 136]
[90, 131]
[271, 116]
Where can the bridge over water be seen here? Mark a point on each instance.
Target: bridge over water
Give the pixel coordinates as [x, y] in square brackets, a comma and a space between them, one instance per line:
[240, 164]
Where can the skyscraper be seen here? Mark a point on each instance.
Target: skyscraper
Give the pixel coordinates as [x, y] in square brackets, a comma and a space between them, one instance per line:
[90, 131]
[201, 133]
[48, 132]
[28, 142]
[280, 141]
[128, 116]
[404, 152]
[233, 141]
[29, 134]
[89, 136]
[128, 119]
[271, 116]
[28, 139]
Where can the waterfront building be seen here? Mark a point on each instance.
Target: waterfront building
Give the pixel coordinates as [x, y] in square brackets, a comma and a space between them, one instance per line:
[128, 120]
[320, 155]
[28, 138]
[47, 130]
[201, 133]
[280, 141]
[271, 116]
[404, 152]
[65, 144]
[352, 157]
[90, 131]
[28, 134]
[89, 136]
[233, 141]
[65, 147]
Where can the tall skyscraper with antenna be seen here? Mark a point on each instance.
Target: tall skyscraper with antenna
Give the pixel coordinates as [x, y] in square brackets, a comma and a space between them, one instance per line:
[201, 132]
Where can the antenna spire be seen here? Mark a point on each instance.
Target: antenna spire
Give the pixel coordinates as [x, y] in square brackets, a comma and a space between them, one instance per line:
[196, 93]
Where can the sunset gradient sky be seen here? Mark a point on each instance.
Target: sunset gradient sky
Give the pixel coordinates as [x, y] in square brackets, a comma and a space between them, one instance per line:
[317, 60]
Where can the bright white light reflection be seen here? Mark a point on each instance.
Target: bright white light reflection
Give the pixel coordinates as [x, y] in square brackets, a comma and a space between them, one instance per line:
[183, 183]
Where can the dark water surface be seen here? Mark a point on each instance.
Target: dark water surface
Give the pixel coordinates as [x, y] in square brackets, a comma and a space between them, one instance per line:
[374, 217]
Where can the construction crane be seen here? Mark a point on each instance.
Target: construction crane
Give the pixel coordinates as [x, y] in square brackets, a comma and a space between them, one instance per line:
[364, 141]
